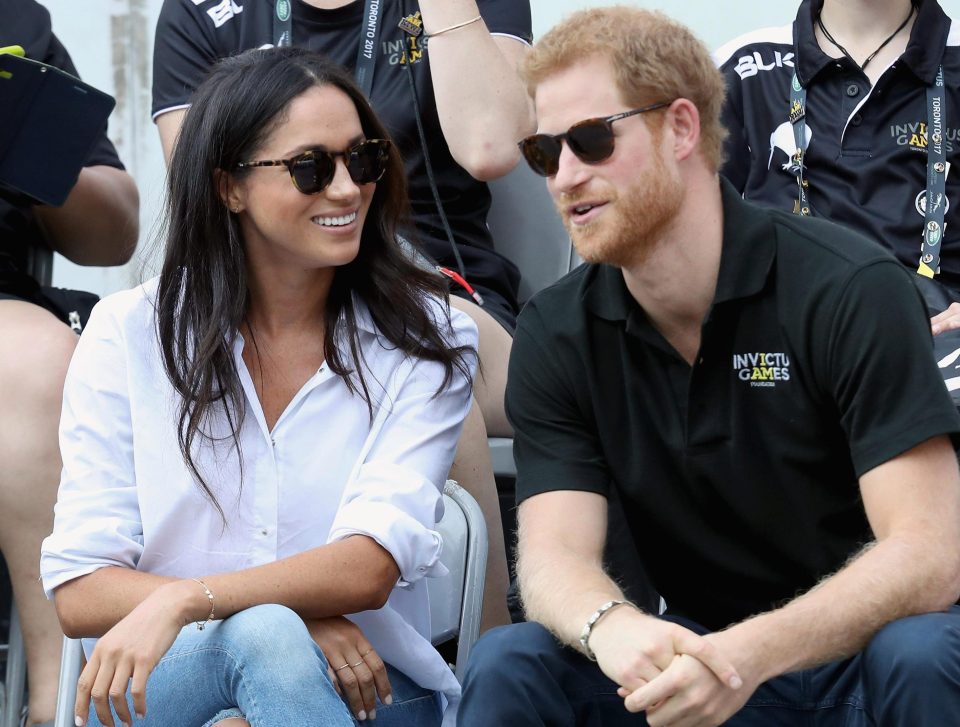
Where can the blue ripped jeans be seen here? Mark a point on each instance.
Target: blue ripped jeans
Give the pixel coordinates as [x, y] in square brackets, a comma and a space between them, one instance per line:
[261, 664]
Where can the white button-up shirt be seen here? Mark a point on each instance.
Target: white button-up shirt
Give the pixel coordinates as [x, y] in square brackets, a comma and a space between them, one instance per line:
[324, 472]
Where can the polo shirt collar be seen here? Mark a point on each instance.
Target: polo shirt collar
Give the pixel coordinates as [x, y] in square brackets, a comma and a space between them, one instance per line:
[749, 247]
[923, 55]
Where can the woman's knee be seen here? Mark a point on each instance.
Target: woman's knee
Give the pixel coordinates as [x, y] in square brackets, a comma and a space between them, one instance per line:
[271, 634]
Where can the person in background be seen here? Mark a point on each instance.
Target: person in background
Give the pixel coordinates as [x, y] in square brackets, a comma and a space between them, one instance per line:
[726, 369]
[851, 113]
[97, 225]
[267, 459]
[442, 76]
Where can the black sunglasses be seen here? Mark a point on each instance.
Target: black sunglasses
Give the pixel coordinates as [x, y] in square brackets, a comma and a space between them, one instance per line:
[313, 170]
[591, 140]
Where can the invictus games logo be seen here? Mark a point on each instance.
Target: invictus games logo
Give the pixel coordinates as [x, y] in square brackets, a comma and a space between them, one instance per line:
[914, 135]
[762, 369]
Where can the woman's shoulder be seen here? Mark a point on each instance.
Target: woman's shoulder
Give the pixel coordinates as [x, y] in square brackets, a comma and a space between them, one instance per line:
[455, 326]
[133, 308]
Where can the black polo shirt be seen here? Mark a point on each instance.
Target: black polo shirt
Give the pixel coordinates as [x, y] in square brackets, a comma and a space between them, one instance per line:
[738, 475]
[866, 159]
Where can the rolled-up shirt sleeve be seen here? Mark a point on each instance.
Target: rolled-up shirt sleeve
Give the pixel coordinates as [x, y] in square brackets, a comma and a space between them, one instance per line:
[97, 518]
[395, 493]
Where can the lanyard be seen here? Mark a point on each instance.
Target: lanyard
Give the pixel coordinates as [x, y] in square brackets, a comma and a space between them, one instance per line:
[934, 225]
[367, 47]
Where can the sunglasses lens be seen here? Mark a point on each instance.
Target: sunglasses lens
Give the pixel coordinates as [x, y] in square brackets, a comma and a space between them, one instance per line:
[367, 161]
[542, 153]
[312, 172]
[591, 140]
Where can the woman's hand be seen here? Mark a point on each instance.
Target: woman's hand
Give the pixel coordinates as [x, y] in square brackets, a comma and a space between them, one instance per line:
[357, 671]
[130, 651]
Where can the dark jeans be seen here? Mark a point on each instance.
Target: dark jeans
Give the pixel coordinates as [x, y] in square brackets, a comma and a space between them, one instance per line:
[908, 676]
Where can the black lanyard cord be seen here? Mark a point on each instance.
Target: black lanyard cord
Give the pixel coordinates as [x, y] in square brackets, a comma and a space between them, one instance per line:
[366, 48]
[826, 34]
[429, 166]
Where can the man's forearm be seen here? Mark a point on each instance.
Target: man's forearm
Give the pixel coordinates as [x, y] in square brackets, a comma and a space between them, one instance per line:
[562, 592]
[897, 577]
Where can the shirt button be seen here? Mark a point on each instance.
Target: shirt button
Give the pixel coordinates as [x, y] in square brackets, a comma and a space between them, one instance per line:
[853, 90]
[856, 120]
[264, 532]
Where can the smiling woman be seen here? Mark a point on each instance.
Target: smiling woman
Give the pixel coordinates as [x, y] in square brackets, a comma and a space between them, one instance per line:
[314, 382]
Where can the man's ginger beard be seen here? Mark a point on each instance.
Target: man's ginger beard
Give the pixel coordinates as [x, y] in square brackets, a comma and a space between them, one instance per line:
[627, 234]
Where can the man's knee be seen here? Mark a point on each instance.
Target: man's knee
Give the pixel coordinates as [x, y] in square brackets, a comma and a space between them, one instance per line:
[917, 648]
[506, 655]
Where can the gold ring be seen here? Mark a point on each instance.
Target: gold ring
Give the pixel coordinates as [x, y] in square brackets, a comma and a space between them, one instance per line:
[341, 667]
[359, 663]
[366, 652]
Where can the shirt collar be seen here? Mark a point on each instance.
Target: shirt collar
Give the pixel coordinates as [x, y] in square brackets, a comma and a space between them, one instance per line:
[749, 247]
[923, 55]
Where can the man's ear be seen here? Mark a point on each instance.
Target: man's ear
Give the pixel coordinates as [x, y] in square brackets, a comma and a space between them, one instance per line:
[684, 121]
[229, 190]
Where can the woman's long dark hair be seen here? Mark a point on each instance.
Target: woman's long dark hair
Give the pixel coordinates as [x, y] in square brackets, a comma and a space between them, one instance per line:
[203, 294]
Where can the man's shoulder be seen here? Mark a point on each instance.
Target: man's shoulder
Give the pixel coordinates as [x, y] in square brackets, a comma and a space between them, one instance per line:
[562, 302]
[837, 248]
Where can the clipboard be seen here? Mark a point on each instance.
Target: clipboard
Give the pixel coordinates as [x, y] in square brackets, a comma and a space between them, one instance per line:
[49, 123]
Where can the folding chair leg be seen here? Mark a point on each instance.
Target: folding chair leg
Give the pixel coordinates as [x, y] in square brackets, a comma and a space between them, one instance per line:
[16, 673]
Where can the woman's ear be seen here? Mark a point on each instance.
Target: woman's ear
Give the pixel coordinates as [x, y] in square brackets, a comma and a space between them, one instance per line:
[228, 190]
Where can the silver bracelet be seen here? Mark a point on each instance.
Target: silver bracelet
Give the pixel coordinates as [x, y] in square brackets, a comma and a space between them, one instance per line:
[592, 621]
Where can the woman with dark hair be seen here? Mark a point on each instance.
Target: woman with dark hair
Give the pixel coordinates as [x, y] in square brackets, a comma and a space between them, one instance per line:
[314, 381]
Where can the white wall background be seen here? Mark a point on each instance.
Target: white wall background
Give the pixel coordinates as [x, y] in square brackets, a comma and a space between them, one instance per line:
[111, 42]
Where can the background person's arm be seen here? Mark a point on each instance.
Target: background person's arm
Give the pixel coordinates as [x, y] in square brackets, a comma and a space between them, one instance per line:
[483, 106]
[168, 126]
[98, 224]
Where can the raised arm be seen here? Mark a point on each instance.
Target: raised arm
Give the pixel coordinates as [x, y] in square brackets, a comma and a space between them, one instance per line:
[483, 107]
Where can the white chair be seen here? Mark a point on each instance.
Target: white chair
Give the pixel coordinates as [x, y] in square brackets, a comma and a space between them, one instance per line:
[455, 601]
[14, 687]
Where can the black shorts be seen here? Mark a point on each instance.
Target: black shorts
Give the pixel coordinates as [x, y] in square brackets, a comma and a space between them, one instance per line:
[70, 306]
[493, 303]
